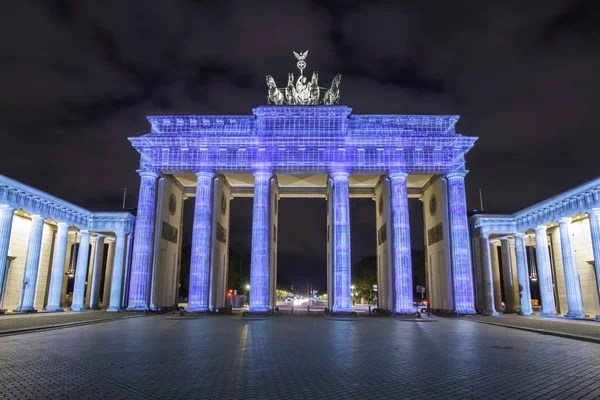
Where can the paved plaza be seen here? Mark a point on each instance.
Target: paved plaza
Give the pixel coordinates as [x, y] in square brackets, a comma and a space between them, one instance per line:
[226, 357]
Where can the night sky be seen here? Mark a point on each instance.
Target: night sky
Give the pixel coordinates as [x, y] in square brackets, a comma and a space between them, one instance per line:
[78, 78]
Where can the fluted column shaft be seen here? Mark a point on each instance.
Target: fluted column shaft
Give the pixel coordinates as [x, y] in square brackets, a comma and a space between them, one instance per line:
[486, 270]
[200, 261]
[544, 271]
[58, 268]
[523, 274]
[81, 272]
[97, 273]
[32, 262]
[594, 216]
[496, 275]
[117, 274]
[142, 245]
[572, 283]
[342, 299]
[6, 218]
[259, 260]
[403, 287]
[507, 276]
[464, 300]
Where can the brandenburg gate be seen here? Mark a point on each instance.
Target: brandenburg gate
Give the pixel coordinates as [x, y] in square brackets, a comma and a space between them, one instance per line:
[301, 146]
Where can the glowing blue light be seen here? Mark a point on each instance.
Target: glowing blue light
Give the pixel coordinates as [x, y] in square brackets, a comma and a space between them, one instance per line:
[6, 218]
[259, 263]
[81, 271]
[142, 244]
[573, 286]
[32, 263]
[200, 261]
[594, 216]
[58, 265]
[403, 302]
[464, 299]
[523, 274]
[117, 274]
[342, 299]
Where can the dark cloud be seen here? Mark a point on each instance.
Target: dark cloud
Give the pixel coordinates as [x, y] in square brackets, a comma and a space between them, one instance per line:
[79, 77]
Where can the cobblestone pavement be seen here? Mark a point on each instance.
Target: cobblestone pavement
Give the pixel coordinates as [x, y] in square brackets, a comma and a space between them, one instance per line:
[10, 322]
[552, 324]
[226, 357]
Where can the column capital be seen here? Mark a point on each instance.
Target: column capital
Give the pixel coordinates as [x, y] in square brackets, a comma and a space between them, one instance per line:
[205, 174]
[393, 175]
[145, 173]
[262, 173]
[541, 229]
[37, 217]
[483, 235]
[339, 173]
[518, 235]
[457, 174]
[593, 212]
[565, 221]
[504, 239]
[5, 208]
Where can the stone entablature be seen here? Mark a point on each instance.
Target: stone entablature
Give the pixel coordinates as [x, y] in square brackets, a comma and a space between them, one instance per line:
[302, 139]
[580, 199]
[36, 202]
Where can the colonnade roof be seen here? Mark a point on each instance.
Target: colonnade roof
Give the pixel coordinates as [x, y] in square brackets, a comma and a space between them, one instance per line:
[18, 195]
[580, 199]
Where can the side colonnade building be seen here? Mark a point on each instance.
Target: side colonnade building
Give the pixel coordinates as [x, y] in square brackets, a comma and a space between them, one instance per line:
[544, 258]
[301, 151]
[48, 246]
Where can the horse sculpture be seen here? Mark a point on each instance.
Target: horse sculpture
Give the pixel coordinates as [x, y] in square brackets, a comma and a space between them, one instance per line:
[290, 91]
[332, 95]
[314, 89]
[274, 95]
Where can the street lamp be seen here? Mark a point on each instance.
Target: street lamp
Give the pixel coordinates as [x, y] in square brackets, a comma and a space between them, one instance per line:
[247, 287]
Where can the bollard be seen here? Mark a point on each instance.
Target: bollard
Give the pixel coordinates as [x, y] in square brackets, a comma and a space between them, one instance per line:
[369, 310]
[292, 310]
[308, 309]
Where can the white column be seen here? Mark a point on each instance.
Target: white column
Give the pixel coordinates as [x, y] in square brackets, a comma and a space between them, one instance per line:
[486, 271]
[544, 271]
[97, 273]
[201, 249]
[523, 274]
[464, 300]
[108, 273]
[58, 267]
[81, 271]
[496, 274]
[403, 287]
[142, 245]
[573, 286]
[32, 262]
[259, 262]
[342, 270]
[594, 216]
[507, 276]
[6, 218]
[117, 274]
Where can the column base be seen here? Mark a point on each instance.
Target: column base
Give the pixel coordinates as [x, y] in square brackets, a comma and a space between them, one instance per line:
[2, 311]
[598, 318]
[466, 312]
[95, 307]
[526, 313]
[54, 309]
[78, 308]
[546, 313]
[138, 308]
[22, 310]
[575, 315]
[342, 314]
[114, 309]
[490, 313]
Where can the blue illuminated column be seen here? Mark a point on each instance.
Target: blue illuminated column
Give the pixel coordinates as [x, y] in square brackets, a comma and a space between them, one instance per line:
[573, 286]
[259, 262]
[487, 275]
[6, 218]
[58, 266]
[97, 273]
[142, 245]
[544, 271]
[200, 261]
[116, 282]
[464, 300]
[594, 216]
[342, 299]
[32, 262]
[403, 288]
[523, 274]
[81, 271]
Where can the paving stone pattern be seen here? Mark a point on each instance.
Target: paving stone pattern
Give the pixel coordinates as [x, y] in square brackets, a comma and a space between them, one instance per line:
[11, 322]
[553, 324]
[225, 357]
